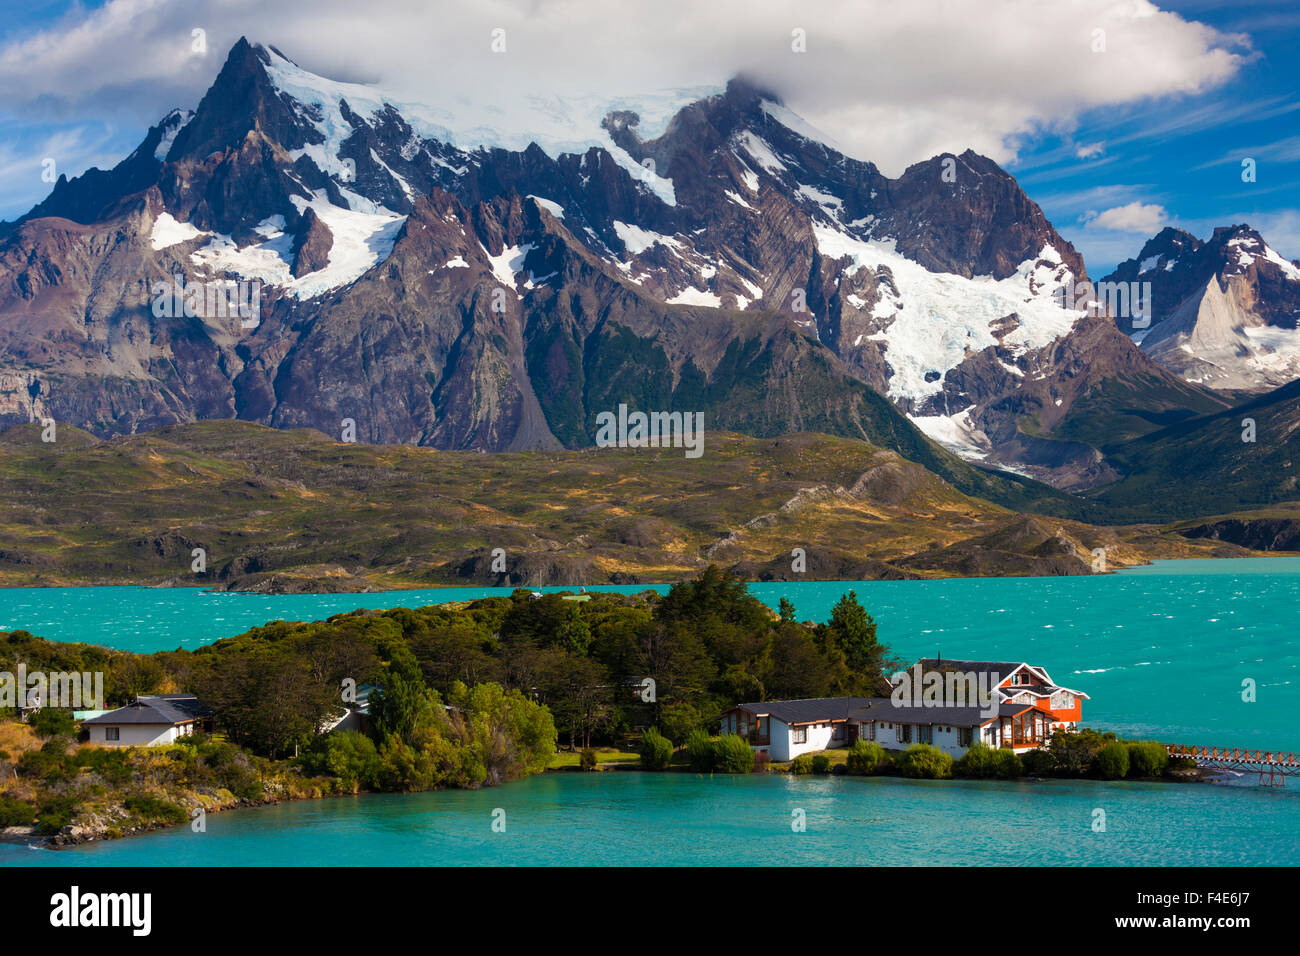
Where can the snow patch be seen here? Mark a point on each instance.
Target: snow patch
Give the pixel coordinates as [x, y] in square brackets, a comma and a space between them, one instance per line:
[167, 231]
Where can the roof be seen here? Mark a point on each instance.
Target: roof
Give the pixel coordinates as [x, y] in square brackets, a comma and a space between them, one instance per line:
[169, 710]
[882, 708]
[1002, 669]
[810, 710]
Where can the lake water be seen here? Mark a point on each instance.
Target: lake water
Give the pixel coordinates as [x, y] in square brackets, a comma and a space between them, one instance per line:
[631, 818]
[1162, 651]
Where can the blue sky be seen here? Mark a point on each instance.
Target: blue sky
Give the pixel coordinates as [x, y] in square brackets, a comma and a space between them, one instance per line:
[1112, 144]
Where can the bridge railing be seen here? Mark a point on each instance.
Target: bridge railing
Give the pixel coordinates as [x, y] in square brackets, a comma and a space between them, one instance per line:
[1238, 754]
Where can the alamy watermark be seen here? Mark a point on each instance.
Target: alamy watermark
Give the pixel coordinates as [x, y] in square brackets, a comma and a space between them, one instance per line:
[210, 299]
[1126, 300]
[66, 689]
[947, 688]
[651, 430]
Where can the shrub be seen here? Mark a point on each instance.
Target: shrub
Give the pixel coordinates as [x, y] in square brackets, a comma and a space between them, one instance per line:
[977, 763]
[1007, 764]
[982, 762]
[802, 764]
[45, 766]
[1146, 758]
[656, 750]
[821, 763]
[1039, 763]
[733, 754]
[109, 763]
[1112, 761]
[866, 757]
[348, 755]
[925, 761]
[699, 751]
[153, 809]
[49, 721]
[587, 759]
[678, 719]
[55, 814]
[15, 813]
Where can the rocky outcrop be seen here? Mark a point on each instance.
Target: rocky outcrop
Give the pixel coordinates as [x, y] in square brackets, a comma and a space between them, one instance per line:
[1223, 313]
[311, 244]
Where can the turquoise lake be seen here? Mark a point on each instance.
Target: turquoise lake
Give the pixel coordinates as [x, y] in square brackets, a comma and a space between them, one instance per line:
[642, 819]
[1162, 651]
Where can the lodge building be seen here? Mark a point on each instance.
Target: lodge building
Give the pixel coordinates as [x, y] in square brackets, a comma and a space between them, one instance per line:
[1019, 707]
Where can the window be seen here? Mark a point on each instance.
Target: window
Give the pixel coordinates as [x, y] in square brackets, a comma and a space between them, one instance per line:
[963, 736]
[799, 735]
[925, 734]
[904, 733]
[838, 732]
[869, 730]
[112, 733]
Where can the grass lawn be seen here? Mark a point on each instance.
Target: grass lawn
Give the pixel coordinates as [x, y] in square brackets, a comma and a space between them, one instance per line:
[565, 760]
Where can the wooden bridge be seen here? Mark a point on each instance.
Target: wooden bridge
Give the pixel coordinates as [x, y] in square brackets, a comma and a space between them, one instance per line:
[1273, 766]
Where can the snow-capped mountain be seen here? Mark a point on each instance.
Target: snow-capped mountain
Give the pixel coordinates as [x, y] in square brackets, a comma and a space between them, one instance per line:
[445, 279]
[1224, 312]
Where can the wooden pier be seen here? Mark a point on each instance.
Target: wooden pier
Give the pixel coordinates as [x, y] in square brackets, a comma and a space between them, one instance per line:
[1273, 766]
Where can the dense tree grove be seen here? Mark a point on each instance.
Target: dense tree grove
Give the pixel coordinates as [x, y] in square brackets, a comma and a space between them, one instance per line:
[704, 645]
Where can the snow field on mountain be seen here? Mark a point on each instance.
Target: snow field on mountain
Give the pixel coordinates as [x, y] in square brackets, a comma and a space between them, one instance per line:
[945, 317]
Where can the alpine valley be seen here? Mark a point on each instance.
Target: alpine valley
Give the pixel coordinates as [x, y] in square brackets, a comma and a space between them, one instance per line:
[439, 282]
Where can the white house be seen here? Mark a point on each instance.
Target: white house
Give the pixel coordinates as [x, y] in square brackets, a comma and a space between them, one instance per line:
[1024, 706]
[149, 721]
[784, 729]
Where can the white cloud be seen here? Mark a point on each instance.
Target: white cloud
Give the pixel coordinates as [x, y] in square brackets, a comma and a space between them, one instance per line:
[895, 83]
[1136, 216]
[1090, 150]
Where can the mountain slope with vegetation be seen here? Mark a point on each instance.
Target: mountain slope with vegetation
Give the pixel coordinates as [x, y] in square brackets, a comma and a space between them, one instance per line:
[279, 510]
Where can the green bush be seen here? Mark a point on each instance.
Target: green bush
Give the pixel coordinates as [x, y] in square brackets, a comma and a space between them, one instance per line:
[155, 810]
[977, 763]
[49, 721]
[656, 750]
[1007, 764]
[678, 719]
[1039, 763]
[1146, 758]
[587, 759]
[733, 754]
[55, 814]
[15, 813]
[926, 762]
[983, 762]
[108, 762]
[46, 766]
[821, 763]
[346, 754]
[1112, 761]
[802, 764]
[699, 751]
[866, 757]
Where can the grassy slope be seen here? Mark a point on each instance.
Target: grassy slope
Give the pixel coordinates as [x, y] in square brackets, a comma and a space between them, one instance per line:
[294, 510]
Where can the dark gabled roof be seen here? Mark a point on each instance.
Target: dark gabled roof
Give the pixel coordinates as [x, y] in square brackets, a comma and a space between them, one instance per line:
[1003, 669]
[885, 709]
[169, 710]
[187, 703]
[811, 710]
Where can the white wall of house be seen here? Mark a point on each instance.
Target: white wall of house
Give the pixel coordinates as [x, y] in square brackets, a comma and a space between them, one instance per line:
[890, 735]
[816, 737]
[138, 735]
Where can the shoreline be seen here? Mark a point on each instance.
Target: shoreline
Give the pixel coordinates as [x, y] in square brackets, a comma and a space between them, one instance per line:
[402, 588]
[76, 836]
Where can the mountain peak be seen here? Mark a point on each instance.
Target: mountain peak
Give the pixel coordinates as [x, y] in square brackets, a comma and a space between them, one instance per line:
[745, 91]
